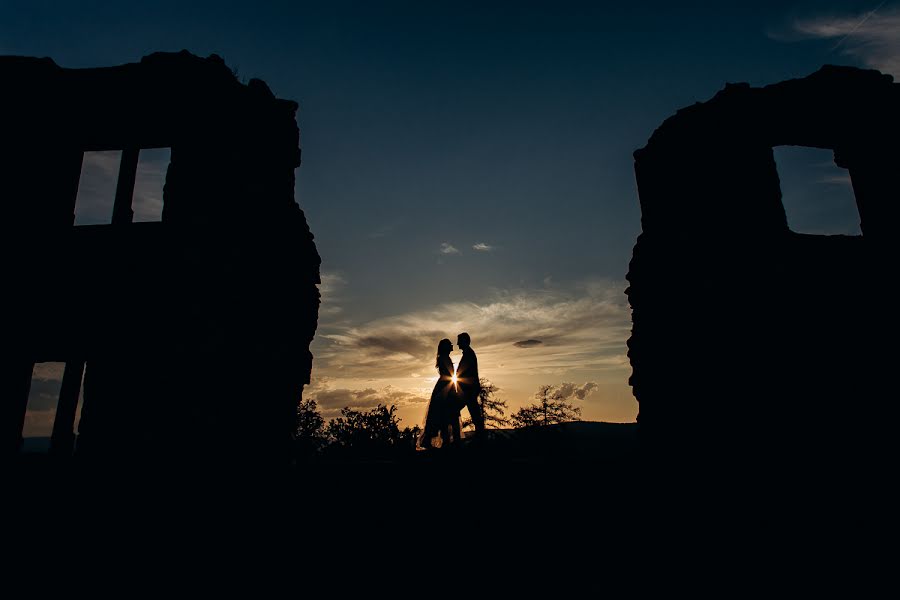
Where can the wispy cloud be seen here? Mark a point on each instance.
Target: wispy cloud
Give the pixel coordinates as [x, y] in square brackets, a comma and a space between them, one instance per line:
[482, 247]
[330, 290]
[331, 283]
[527, 343]
[837, 179]
[45, 384]
[449, 249]
[873, 37]
[383, 231]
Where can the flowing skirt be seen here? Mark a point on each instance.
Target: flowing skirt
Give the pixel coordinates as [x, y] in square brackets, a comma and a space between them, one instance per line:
[441, 418]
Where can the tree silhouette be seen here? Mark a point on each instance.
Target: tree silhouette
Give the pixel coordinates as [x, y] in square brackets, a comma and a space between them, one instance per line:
[310, 423]
[310, 434]
[493, 408]
[551, 407]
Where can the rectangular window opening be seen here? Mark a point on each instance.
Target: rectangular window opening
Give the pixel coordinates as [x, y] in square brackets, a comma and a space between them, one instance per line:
[97, 187]
[43, 401]
[817, 194]
[147, 202]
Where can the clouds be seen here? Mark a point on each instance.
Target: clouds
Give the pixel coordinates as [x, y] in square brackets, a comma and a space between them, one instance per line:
[448, 248]
[584, 327]
[382, 232]
[97, 187]
[839, 179]
[45, 383]
[331, 283]
[44, 394]
[330, 288]
[527, 343]
[568, 391]
[42, 399]
[396, 343]
[147, 201]
[873, 37]
[524, 338]
[332, 400]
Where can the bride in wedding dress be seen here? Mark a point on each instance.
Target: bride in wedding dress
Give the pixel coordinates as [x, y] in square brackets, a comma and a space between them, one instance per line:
[442, 416]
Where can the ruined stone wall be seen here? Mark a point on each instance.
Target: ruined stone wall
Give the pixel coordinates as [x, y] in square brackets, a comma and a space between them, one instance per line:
[745, 332]
[195, 330]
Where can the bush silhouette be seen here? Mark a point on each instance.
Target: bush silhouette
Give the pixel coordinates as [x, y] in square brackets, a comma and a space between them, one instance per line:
[375, 432]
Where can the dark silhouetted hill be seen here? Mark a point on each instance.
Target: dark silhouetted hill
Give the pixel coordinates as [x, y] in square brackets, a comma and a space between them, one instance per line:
[577, 441]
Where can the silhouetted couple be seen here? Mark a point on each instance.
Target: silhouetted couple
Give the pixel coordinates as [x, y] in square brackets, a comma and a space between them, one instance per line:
[453, 391]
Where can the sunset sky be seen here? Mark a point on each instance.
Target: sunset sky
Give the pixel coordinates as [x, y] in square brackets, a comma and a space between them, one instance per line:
[467, 165]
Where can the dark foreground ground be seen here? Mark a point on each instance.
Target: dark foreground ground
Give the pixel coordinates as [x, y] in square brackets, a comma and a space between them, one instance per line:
[552, 503]
[590, 470]
[515, 467]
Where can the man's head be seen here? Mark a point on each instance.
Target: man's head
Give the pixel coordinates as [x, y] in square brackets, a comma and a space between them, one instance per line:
[463, 340]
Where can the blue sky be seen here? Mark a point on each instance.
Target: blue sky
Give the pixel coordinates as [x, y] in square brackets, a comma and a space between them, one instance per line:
[467, 165]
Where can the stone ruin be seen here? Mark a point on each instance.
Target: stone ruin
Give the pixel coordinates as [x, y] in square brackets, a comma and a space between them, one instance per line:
[193, 332]
[745, 332]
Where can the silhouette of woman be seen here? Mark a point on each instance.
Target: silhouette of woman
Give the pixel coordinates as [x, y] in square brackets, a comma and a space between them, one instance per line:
[442, 416]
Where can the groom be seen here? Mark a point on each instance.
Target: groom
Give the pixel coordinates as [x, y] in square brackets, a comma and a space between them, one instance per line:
[469, 383]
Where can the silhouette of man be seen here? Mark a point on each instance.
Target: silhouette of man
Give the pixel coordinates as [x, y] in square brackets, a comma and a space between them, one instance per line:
[469, 383]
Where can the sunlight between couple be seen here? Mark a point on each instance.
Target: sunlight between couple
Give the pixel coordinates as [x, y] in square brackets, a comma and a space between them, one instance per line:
[454, 390]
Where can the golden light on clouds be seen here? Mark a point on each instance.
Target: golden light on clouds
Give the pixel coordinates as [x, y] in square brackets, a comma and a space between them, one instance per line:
[581, 332]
